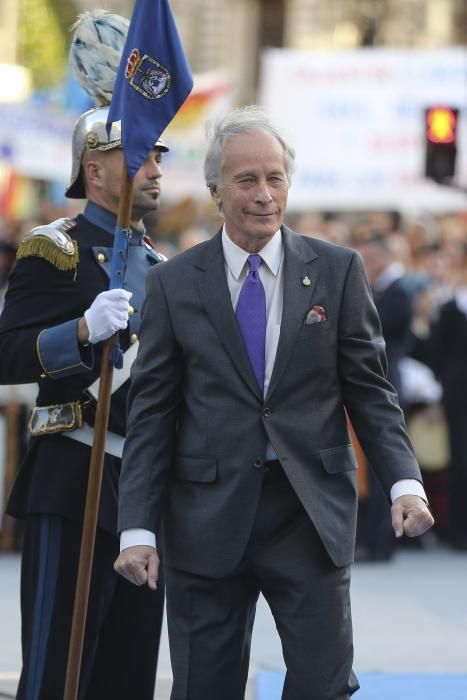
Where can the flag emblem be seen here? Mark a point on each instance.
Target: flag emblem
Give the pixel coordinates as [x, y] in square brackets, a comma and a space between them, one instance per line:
[147, 76]
[142, 81]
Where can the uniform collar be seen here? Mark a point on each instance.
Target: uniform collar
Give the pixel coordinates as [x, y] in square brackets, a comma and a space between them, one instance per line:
[236, 257]
[103, 218]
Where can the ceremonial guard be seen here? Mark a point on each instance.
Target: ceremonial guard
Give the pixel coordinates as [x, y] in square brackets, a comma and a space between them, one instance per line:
[57, 313]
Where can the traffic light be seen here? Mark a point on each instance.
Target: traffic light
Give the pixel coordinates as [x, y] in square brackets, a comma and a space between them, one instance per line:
[440, 141]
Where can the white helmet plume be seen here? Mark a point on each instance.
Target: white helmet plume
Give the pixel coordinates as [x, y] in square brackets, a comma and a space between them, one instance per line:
[95, 52]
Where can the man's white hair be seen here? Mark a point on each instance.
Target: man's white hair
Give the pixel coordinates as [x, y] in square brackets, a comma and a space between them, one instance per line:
[245, 120]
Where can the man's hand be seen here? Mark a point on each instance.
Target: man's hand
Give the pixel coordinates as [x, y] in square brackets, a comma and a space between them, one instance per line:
[139, 565]
[410, 515]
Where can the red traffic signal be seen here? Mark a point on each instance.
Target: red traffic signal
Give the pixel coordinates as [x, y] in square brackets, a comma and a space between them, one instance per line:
[440, 142]
[441, 124]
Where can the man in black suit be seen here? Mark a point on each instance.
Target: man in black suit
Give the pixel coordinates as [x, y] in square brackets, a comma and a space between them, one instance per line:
[386, 275]
[238, 455]
[57, 312]
[446, 350]
[387, 278]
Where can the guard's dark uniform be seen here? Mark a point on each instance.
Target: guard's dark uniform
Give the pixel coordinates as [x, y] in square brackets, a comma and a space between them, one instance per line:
[53, 282]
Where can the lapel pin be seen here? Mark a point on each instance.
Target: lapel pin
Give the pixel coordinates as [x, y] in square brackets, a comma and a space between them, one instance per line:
[306, 281]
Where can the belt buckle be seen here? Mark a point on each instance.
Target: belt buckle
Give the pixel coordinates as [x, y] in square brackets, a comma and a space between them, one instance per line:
[57, 418]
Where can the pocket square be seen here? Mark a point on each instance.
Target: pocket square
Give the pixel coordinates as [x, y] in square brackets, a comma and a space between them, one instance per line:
[315, 315]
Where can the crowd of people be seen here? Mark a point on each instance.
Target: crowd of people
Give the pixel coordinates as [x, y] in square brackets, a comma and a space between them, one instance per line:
[417, 268]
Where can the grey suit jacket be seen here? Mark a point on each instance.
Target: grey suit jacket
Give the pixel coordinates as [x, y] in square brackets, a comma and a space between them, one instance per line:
[198, 426]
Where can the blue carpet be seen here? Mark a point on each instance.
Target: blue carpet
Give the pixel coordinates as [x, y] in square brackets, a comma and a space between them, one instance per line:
[381, 686]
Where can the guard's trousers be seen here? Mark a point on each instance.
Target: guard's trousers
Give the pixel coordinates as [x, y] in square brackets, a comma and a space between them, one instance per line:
[123, 622]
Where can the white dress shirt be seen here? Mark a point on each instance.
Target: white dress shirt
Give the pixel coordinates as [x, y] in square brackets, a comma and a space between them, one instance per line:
[271, 273]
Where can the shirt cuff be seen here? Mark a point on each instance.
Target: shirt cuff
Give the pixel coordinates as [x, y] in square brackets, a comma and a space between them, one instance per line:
[407, 487]
[59, 352]
[137, 536]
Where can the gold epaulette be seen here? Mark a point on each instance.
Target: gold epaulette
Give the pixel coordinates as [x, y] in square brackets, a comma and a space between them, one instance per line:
[52, 243]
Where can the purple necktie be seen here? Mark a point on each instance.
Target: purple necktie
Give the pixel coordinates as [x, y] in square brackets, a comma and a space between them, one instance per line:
[251, 317]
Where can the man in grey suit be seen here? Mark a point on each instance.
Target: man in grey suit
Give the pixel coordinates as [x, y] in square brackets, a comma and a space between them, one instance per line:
[238, 456]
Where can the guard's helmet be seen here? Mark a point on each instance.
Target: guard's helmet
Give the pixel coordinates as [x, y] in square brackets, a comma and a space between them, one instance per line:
[90, 133]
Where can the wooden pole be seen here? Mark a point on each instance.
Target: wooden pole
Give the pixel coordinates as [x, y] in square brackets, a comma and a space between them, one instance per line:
[96, 468]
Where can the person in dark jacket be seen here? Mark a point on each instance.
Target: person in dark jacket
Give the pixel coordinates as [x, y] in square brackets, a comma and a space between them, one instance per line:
[447, 352]
[253, 347]
[393, 302]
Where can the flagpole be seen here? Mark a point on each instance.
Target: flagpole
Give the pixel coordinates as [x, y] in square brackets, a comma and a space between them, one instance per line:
[96, 468]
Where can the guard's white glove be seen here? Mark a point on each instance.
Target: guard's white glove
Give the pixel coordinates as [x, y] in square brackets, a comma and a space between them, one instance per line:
[107, 314]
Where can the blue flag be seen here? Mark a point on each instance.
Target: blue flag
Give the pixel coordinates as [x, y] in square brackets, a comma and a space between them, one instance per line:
[153, 80]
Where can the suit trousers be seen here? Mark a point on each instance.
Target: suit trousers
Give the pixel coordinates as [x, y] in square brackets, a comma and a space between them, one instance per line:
[123, 622]
[210, 621]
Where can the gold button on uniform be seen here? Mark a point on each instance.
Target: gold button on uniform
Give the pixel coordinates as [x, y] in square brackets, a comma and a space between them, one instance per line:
[134, 338]
[131, 311]
[101, 257]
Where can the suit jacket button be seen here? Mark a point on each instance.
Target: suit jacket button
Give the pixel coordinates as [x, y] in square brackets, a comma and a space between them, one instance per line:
[133, 338]
[258, 463]
[266, 412]
[131, 311]
[101, 257]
